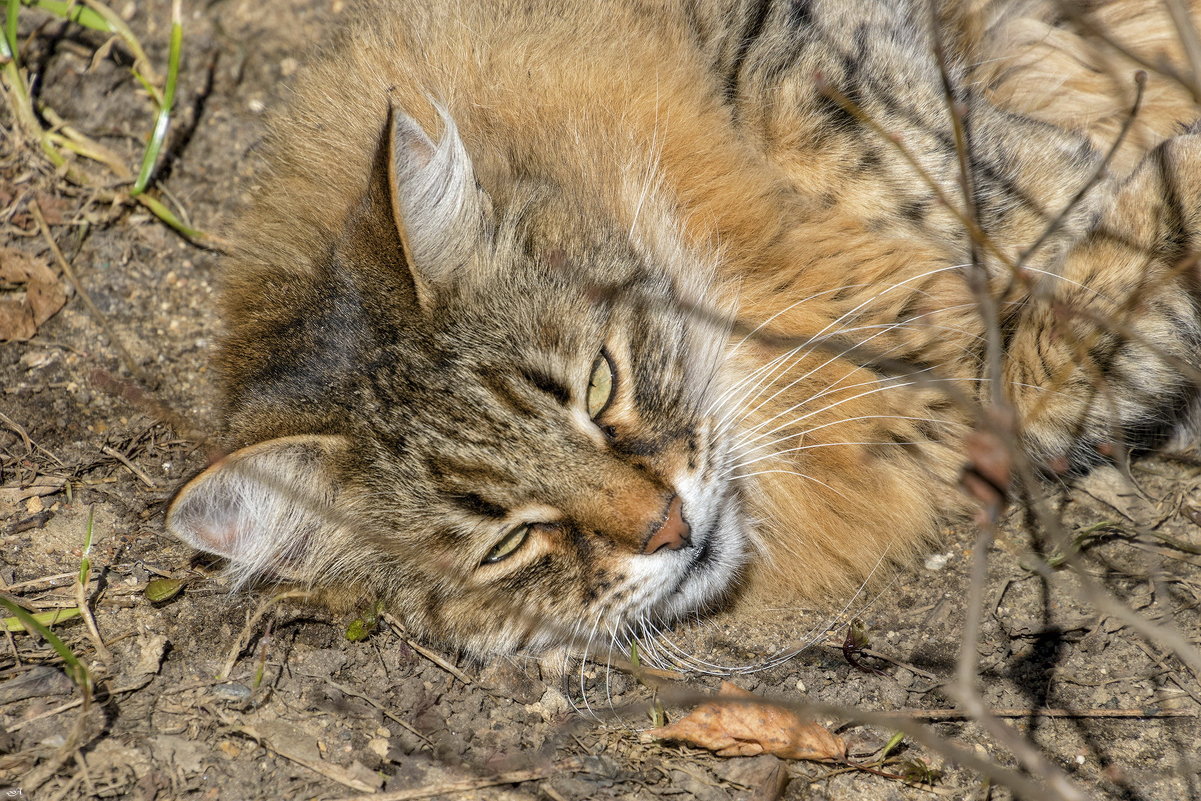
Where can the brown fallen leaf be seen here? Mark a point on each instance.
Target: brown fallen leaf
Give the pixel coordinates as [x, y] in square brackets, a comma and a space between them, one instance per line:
[748, 728]
[30, 294]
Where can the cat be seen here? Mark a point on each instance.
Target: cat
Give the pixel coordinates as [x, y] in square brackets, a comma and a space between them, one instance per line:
[556, 318]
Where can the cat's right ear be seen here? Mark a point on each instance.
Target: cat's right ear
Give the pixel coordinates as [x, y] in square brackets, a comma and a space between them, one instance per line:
[436, 204]
[263, 508]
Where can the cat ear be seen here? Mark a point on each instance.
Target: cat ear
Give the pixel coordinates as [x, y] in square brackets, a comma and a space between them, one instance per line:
[262, 507]
[436, 203]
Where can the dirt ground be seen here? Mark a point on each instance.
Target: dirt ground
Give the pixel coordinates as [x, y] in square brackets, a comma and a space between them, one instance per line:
[209, 695]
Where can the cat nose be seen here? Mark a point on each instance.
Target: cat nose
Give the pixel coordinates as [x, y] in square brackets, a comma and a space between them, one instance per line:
[673, 533]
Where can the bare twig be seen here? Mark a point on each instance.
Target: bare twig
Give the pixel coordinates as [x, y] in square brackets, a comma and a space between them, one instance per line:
[248, 630]
[399, 628]
[97, 315]
[133, 468]
[961, 714]
[571, 765]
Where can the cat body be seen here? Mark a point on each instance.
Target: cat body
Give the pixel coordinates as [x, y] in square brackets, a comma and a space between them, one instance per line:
[550, 319]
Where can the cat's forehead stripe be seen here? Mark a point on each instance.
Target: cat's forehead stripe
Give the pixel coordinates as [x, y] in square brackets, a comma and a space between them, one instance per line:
[477, 504]
[546, 382]
[505, 393]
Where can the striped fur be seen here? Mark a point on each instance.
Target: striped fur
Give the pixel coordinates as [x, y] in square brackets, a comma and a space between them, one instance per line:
[464, 202]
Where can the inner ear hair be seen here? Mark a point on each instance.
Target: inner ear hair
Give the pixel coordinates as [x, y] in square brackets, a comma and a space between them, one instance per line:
[263, 507]
[436, 204]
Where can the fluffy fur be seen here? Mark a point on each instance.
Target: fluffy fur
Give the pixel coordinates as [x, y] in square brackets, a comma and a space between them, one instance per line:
[464, 203]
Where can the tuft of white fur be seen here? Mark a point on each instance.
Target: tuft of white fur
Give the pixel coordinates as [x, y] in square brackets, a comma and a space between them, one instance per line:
[436, 199]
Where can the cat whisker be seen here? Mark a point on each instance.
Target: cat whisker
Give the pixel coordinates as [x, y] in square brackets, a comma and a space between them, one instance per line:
[744, 437]
[835, 357]
[815, 632]
[827, 445]
[794, 473]
[852, 311]
[587, 654]
[811, 340]
[609, 665]
[789, 308]
[827, 408]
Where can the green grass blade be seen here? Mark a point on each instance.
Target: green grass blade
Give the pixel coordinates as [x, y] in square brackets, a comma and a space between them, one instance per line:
[121, 29]
[166, 215]
[893, 742]
[85, 563]
[80, 15]
[49, 618]
[163, 119]
[75, 668]
[11, 50]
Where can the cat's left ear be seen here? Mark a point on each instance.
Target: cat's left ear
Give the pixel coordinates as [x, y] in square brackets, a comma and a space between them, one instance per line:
[264, 508]
[436, 203]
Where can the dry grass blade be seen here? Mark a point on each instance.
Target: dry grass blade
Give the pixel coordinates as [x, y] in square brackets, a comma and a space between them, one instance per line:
[267, 605]
[101, 320]
[452, 788]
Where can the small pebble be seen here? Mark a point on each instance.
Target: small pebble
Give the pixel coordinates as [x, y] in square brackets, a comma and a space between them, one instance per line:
[232, 692]
[937, 561]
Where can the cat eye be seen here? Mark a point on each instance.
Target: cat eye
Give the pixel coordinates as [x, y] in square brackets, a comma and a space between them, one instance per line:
[600, 385]
[507, 546]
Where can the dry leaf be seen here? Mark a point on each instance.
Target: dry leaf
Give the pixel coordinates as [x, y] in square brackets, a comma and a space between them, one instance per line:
[30, 294]
[41, 485]
[747, 729]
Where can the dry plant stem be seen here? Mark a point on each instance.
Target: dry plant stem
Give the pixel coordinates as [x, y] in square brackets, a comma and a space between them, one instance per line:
[964, 688]
[123, 459]
[85, 609]
[97, 315]
[72, 705]
[248, 630]
[977, 277]
[977, 236]
[20, 430]
[571, 765]
[1098, 596]
[1169, 671]
[137, 396]
[1155, 633]
[960, 714]
[917, 671]
[145, 71]
[428, 654]
[945, 792]
[43, 772]
[1072, 10]
[342, 688]
[1188, 36]
[1140, 86]
[327, 769]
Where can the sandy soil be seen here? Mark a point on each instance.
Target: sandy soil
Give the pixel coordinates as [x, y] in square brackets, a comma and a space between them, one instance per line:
[213, 696]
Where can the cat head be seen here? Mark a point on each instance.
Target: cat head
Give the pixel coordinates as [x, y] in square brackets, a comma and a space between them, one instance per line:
[496, 411]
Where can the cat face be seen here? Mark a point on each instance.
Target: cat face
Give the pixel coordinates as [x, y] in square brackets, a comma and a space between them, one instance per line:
[503, 423]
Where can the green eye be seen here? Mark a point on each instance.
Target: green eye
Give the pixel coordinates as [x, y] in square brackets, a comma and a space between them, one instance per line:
[507, 546]
[600, 385]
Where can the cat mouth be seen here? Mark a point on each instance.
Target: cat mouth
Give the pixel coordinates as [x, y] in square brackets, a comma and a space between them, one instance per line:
[710, 568]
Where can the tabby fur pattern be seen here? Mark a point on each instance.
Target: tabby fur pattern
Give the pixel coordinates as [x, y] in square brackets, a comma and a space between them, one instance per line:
[755, 210]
